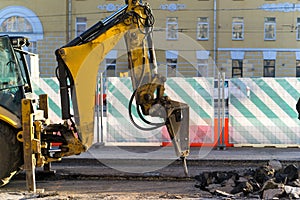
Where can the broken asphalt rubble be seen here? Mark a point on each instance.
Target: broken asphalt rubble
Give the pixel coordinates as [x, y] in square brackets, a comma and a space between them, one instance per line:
[270, 181]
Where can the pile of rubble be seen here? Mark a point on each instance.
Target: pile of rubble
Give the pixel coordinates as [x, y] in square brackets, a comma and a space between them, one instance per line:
[270, 181]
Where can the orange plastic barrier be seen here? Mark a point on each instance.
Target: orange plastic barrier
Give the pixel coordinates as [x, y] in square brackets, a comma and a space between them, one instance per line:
[202, 136]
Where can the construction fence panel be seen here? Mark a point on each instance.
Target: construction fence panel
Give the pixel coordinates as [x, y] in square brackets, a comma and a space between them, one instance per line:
[262, 111]
[49, 86]
[196, 92]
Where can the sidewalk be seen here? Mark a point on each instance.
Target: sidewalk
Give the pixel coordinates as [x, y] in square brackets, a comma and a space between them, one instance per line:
[196, 153]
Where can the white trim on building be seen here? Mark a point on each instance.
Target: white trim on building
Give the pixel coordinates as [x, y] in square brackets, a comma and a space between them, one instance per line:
[33, 19]
[269, 55]
[237, 55]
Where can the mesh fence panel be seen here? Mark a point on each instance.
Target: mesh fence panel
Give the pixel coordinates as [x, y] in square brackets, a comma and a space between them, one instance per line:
[262, 111]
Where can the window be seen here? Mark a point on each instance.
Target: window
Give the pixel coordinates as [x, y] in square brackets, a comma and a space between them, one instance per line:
[202, 65]
[16, 24]
[270, 28]
[172, 28]
[171, 67]
[111, 64]
[203, 28]
[298, 28]
[11, 77]
[269, 68]
[80, 25]
[171, 58]
[237, 68]
[297, 68]
[237, 28]
[21, 20]
[111, 67]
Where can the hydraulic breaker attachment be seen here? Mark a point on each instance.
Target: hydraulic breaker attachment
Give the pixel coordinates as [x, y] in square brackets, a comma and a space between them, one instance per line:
[150, 98]
[178, 127]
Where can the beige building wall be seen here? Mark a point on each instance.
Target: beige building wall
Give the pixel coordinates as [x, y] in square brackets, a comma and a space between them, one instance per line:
[46, 36]
[254, 45]
[57, 25]
[187, 13]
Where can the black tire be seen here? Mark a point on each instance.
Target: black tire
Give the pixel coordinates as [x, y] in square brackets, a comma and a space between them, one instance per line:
[11, 156]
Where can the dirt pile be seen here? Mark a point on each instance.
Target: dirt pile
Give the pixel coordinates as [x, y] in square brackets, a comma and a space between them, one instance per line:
[270, 181]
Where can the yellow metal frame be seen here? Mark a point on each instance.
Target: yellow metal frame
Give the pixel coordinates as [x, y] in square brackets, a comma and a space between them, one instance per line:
[28, 137]
[10, 118]
[83, 63]
[32, 128]
[82, 57]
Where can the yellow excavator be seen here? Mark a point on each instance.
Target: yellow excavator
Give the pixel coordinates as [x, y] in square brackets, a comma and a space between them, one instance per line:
[26, 135]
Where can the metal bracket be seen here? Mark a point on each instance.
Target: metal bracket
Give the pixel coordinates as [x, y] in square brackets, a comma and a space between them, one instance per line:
[31, 138]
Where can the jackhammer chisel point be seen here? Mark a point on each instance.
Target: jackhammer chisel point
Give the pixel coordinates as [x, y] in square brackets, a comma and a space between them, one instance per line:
[185, 168]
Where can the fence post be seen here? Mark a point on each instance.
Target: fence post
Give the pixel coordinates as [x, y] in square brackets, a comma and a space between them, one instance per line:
[221, 122]
[219, 112]
[223, 111]
[99, 109]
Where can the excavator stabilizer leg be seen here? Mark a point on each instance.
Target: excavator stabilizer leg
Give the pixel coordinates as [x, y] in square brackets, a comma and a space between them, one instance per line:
[32, 123]
[28, 136]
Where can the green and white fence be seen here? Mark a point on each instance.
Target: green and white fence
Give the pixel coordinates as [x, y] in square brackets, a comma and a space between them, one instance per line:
[261, 110]
[196, 92]
[49, 86]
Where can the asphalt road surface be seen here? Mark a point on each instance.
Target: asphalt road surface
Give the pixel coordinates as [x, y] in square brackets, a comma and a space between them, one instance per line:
[116, 174]
[90, 179]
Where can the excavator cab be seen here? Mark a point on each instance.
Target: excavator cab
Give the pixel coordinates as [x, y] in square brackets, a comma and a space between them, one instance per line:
[14, 86]
[14, 79]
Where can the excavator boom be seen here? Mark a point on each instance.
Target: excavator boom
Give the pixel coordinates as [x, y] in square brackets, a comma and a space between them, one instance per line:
[78, 63]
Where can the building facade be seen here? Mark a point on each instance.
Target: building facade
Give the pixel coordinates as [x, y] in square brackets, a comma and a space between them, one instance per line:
[192, 38]
[258, 39]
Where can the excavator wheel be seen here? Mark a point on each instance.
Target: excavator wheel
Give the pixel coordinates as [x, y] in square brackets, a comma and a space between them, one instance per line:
[10, 153]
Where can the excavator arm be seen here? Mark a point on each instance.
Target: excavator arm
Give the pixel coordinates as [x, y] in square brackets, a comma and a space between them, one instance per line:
[78, 63]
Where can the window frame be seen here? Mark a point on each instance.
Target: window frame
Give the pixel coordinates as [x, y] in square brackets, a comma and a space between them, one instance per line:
[202, 66]
[80, 21]
[269, 66]
[172, 64]
[16, 24]
[237, 21]
[110, 63]
[239, 68]
[298, 29]
[201, 26]
[270, 21]
[172, 22]
[34, 20]
[297, 68]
